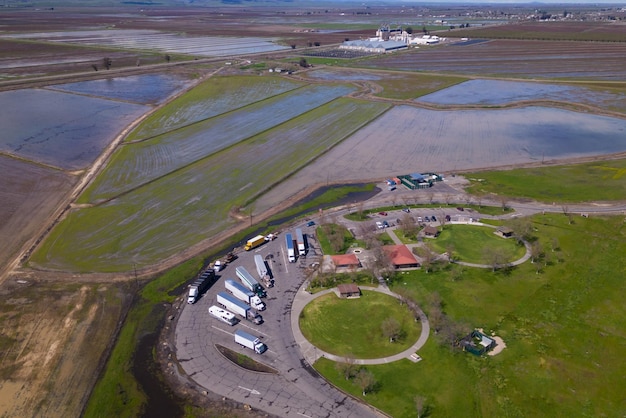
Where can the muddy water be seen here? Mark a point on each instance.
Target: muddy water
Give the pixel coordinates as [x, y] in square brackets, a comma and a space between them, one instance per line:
[162, 402]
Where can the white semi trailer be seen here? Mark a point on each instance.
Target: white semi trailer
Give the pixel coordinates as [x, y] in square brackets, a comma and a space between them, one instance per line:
[233, 304]
[291, 252]
[300, 242]
[250, 282]
[261, 269]
[242, 293]
[250, 341]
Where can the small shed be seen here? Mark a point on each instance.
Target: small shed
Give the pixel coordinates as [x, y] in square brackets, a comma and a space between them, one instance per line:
[477, 343]
[504, 232]
[348, 290]
[430, 231]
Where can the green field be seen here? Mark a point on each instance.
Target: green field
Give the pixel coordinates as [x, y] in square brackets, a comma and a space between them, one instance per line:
[563, 329]
[412, 86]
[357, 329]
[596, 181]
[473, 244]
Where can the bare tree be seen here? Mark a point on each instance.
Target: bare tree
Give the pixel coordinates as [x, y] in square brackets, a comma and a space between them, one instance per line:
[536, 251]
[365, 380]
[504, 203]
[495, 257]
[566, 212]
[408, 226]
[555, 244]
[479, 199]
[450, 251]
[468, 199]
[448, 198]
[391, 329]
[347, 367]
[428, 257]
[436, 317]
[420, 405]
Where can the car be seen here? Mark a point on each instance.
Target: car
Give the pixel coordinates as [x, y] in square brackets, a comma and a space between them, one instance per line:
[427, 219]
[379, 225]
[310, 223]
[419, 219]
[448, 218]
[382, 213]
[385, 224]
[433, 218]
[407, 210]
[460, 209]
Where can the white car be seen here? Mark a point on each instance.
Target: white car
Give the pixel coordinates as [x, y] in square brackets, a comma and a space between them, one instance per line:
[379, 225]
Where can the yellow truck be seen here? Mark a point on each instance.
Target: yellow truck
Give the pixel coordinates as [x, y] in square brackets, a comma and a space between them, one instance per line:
[254, 242]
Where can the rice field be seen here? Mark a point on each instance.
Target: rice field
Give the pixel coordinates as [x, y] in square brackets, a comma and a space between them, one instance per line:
[141, 162]
[172, 213]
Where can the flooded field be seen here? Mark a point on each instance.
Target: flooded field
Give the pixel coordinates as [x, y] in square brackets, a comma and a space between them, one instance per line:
[497, 92]
[524, 59]
[64, 130]
[143, 89]
[171, 43]
[407, 139]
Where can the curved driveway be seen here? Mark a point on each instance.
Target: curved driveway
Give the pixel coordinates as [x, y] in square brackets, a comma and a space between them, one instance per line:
[312, 353]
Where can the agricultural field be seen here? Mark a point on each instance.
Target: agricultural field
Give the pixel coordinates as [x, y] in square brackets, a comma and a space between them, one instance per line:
[29, 193]
[451, 140]
[562, 326]
[514, 58]
[61, 129]
[172, 213]
[144, 161]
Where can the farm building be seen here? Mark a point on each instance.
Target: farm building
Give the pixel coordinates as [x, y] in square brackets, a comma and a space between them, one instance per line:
[400, 256]
[348, 290]
[373, 45]
[477, 343]
[419, 180]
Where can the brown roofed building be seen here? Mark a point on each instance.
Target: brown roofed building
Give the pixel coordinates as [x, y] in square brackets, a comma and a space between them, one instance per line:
[400, 256]
[346, 261]
[348, 290]
[430, 231]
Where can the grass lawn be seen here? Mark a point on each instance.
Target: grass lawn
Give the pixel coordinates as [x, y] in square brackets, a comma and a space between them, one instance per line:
[563, 328]
[471, 243]
[596, 181]
[353, 326]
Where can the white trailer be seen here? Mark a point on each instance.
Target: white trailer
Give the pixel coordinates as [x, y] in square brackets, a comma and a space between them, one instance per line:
[235, 305]
[261, 269]
[300, 242]
[291, 253]
[223, 315]
[242, 293]
[250, 341]
[250, 282]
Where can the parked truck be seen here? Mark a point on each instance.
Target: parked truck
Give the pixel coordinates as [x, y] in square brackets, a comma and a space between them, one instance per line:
[250, 282]
[223, 315]
[250, 341]
[291, 253]
[242, 293]
[254, 242]
[199, 285]
[242, 309]
[300, 242]
[261, 269]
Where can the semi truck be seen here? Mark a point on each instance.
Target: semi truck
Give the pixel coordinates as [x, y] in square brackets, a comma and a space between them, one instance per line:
[250, 282]
[223, 315]
[261, 269]
[199, 285]
[250, 341]
[242, 309]
[254, 242]
[291, 253]
[300, 242]
[242, 293]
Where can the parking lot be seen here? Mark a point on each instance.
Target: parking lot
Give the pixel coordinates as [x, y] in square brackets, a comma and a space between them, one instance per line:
[296, 389]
